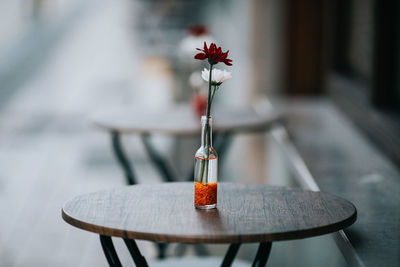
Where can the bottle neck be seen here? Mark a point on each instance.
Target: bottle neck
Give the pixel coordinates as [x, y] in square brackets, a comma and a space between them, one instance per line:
[206, 131]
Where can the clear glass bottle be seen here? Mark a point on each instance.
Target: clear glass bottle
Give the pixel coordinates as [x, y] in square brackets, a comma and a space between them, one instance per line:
[206, 169]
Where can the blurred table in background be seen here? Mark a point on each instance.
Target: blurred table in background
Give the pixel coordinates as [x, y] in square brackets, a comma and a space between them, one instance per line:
[177, 121]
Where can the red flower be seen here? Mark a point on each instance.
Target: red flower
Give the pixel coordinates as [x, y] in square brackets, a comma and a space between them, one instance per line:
[198, 30]
[213, 54]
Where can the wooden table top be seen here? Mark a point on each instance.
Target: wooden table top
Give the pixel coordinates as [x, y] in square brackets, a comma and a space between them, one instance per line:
[179, 120]
[245, 213]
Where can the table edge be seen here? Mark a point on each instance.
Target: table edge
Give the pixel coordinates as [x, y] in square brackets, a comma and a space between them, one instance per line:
[221, 239]
[265, 124]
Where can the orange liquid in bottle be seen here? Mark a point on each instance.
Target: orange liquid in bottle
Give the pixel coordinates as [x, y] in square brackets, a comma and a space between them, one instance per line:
[205, 194]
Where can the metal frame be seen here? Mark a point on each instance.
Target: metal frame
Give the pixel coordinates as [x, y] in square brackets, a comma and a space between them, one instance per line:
[109, 251]
[262, 255]
[157, 159]
[111, 255]
[135, 253]
[221, 145]
[122, 158]
[230, 255]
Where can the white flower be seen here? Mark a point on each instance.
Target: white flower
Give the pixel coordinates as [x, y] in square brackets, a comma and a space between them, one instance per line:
[218, 76]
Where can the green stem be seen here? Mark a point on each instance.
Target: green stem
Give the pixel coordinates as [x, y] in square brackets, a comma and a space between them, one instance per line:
[209, 93]
[208, 138]
[201, 170]
[207, 129]
[213, 93]
[206, 135]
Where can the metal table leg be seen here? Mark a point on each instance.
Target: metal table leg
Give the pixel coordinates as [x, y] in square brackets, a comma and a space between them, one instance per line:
[230, 255]
[262, 254]
[162, 166]
[165, 172]
[122, 158]
[260, 260]
[162, 248]
[135, 253]
[111, 254]
[109, 251]
[130, 178]
[157, 159]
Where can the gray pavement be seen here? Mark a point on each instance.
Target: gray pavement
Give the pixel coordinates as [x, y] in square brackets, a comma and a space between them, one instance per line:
[48, 151]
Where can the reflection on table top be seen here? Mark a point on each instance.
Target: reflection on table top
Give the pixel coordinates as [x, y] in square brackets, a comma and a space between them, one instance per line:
[245, 213]
[180, 120]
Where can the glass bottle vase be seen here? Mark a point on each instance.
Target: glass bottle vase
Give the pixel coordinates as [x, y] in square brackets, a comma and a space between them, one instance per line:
[206, 169]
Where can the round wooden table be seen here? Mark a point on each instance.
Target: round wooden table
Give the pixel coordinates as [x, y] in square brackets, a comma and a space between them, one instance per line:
[245, 213]
[178, 121]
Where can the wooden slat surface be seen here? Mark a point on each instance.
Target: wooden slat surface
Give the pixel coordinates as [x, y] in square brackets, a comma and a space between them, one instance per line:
[245, 213]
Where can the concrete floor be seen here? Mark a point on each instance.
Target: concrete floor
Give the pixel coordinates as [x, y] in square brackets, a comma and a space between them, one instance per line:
[48, 151]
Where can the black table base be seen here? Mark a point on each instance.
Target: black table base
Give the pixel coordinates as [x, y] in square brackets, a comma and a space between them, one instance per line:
[260, 260]
[221, 145]
[122, 158]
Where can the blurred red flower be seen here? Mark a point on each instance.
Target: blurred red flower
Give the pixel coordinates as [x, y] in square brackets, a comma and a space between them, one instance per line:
[199, 104]
[214, 55]
[198, 30]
